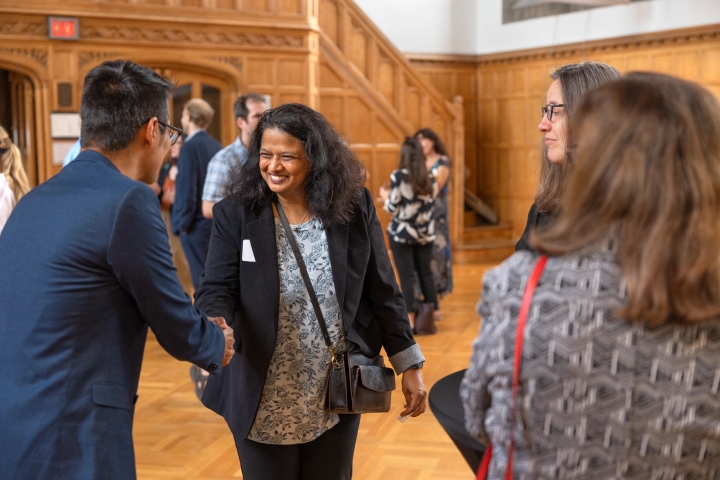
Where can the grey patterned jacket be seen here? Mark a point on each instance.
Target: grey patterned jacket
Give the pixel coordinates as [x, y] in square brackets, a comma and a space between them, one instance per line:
[599, 397]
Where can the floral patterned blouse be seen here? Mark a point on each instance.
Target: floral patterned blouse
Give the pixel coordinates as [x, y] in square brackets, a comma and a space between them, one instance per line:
[292, 406]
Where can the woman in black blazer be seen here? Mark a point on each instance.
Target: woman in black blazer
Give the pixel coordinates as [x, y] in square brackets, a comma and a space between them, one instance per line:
[272, 394]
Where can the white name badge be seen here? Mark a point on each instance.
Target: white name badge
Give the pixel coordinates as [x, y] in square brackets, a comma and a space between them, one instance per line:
[247, 253]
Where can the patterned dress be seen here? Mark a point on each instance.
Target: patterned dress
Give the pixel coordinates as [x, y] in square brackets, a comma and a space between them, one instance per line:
[599, 397]
[412, 220]
[441, 263]
[292, 406]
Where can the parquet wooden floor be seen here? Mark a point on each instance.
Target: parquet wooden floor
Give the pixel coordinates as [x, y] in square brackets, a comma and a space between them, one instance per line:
[177, 438]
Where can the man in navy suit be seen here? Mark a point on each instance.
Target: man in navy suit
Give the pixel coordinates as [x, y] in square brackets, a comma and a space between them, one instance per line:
[187, 218]
[85, 268]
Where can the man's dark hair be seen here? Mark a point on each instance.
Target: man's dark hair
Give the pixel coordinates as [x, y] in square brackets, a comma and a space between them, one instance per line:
[118, 97]
[334, 183]
[240, 107]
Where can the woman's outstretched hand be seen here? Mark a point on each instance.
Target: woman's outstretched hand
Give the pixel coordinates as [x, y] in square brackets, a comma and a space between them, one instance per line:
[413, 388]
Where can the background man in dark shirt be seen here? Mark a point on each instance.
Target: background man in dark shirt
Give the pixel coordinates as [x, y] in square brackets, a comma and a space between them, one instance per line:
[187, 218]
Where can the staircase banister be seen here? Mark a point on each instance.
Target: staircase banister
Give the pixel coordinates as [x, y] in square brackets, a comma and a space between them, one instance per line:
[359, 80]
[397, 56]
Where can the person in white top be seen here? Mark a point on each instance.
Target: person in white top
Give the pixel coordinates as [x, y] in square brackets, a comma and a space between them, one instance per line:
[13, 180]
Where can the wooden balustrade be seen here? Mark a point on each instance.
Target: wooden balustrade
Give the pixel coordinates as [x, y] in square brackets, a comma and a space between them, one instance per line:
[383, 77]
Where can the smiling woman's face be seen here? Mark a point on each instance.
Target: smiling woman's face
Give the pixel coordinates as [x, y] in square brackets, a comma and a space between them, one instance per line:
[555, 131]
[283, 164]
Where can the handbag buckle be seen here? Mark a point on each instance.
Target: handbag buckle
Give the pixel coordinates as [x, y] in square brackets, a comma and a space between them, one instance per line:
[334, 357]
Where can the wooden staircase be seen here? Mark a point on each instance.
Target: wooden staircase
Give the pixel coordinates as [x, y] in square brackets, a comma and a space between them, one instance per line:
[483, 243]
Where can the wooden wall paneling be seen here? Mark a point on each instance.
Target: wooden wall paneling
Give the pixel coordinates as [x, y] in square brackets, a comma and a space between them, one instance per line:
[404, 96]
[452, 78]
[225, 4]
[329, 20]
[211, 11]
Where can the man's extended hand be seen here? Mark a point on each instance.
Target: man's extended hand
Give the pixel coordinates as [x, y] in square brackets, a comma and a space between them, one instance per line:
[229, 338]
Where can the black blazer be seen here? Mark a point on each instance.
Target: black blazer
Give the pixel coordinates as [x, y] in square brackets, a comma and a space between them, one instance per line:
[535, 219]
[373, 308]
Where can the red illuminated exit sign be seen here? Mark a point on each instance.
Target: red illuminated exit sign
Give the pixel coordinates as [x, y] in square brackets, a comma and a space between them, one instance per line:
[63, 28]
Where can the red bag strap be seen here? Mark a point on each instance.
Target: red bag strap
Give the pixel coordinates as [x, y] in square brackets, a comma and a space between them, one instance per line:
[519, 337]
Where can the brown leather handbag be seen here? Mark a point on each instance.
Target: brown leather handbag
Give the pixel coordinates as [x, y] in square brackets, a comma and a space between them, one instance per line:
[356, 383]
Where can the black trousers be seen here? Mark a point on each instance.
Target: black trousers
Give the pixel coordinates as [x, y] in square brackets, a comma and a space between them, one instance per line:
[330, 456]
[408, 260]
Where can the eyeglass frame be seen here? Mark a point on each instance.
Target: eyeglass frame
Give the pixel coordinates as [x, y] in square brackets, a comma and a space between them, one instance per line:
[175, 132]
[549, 112]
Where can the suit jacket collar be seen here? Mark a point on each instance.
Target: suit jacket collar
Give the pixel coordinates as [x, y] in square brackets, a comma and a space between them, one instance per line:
[262, 238]
[97, 157]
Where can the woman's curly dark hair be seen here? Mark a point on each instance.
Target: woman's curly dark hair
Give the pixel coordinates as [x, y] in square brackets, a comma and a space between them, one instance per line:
[335, 181]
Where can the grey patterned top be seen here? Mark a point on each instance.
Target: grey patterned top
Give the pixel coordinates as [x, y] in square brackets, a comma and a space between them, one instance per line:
[292, 406]
[599, 397]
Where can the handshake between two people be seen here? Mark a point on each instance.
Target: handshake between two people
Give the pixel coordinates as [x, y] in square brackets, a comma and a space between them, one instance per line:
[229, 338]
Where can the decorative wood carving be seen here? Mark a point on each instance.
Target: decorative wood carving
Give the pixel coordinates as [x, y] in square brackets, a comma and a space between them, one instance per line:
[234, 62]
[24, 27]
[189, 36]
[40, 56]
[86, 57]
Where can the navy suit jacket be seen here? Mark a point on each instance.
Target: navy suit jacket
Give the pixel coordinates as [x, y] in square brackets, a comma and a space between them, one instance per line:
[85, 267]
[195, 155]
[245, 286]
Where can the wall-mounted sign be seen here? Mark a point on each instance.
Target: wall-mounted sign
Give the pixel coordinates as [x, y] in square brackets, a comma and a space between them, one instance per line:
[63, 28]
[65, 125]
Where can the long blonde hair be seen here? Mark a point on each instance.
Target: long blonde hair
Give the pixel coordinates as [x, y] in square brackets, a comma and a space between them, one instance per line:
[647, 173]
[11, 165]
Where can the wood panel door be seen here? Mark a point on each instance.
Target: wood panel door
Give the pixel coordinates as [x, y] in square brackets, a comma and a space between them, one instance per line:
[218, 92]
[22, 122]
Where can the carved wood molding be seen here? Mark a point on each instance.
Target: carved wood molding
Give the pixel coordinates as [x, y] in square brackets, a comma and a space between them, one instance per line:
[186, 36]
[23, 27]
[36, 54]
[679, 37]
[86, 57]
[234, 62]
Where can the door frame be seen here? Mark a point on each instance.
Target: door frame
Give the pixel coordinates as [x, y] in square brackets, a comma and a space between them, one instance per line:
[39, 80]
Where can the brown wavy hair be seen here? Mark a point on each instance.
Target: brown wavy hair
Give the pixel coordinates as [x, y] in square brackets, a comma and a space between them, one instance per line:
[647, 174]
[575, 79]
[11, 165]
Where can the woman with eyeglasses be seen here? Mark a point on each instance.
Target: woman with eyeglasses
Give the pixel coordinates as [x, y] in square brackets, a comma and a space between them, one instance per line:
[570, 82]
[619, 372]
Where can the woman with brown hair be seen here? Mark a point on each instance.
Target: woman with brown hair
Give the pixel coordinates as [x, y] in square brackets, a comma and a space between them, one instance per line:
[410, 200]
[438, 163]
[13, 181]
[619, 369]
[570, 82]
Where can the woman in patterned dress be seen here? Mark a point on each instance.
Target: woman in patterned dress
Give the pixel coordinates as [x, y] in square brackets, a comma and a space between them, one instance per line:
[273, 395]
[619, 375]
[411, 231]
[438, 163]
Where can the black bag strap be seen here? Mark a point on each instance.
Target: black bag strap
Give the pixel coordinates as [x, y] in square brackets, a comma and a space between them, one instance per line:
[306, 278]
